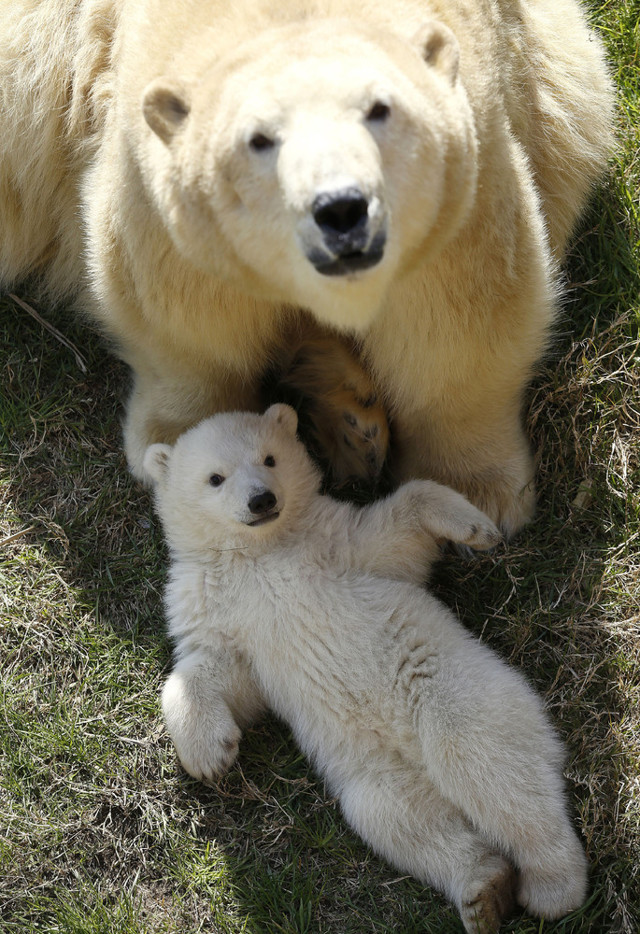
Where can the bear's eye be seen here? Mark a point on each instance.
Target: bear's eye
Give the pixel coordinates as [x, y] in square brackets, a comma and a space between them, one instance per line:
[378, 112]
[259, 142]
[269, 461]
[216, 480]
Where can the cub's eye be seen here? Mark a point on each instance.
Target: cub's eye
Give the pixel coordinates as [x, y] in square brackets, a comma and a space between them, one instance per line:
[269, 461]
[260, 143]
[378, 112]
[216, 480]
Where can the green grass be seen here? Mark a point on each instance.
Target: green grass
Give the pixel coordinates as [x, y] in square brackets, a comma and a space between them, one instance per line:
[100, 831]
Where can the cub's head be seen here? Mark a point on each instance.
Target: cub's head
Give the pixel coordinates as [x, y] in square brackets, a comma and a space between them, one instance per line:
[316, 162]
[234, 479]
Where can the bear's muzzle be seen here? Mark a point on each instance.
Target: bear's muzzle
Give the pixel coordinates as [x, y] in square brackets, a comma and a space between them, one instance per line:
[348, 242]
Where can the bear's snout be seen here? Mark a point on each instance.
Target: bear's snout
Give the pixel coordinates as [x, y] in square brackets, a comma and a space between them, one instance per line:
[262, 503]
[342, 217]
[348, 241]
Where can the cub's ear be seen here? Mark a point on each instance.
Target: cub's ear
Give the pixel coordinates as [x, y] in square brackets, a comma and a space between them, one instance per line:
[156, 461]
[439, 48]
[165, 107]
[283, 415]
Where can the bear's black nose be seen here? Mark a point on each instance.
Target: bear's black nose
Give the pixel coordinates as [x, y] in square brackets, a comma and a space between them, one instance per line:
[262, 502]
[342, 218]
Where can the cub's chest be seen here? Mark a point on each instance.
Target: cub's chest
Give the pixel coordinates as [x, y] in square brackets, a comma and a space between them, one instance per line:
[281, 598]
[251, 588]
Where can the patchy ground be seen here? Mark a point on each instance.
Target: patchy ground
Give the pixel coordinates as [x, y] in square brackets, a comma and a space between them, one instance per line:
[99, 829]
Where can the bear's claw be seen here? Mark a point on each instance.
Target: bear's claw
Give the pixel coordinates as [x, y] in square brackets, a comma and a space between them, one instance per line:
[342, 419]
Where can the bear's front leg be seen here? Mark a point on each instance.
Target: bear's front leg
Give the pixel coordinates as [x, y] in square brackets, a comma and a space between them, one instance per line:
[487, 458]
[165, 401]
[456, 348]
[206, 699]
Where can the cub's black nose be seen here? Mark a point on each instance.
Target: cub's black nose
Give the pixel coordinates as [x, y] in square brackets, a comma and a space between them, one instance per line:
[262, 502]
[341, 214]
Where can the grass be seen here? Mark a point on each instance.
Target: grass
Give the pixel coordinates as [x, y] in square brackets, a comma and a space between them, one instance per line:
[101, 832]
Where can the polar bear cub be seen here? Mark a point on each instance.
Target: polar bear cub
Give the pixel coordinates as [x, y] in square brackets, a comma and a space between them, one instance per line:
[440, 754]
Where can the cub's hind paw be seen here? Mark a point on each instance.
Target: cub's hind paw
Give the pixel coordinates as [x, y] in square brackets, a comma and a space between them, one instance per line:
[490, 898]
[553, 895]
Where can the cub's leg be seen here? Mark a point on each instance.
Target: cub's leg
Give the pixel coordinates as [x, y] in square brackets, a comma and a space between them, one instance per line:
[430, 511]
[342, 418]
[490, 749]
[397, 810]
[206, 700]
[400, 536]
[449, 516]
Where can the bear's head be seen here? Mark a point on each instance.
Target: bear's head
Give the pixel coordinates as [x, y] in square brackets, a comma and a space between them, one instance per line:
[315, 163]
[235, 479]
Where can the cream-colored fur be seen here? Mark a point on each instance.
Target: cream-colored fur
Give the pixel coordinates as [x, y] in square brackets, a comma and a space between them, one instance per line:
[127, 172]
[441, 755]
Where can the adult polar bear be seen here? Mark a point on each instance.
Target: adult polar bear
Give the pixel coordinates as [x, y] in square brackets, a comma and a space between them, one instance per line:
[405, 170]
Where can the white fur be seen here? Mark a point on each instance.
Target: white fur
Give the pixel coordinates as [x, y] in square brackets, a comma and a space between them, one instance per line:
[126, 173]
[441, 755]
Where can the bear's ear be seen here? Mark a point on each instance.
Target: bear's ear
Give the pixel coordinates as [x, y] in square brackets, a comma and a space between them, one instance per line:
[283, 415]
[156, 461]
[165, 107]
[439, 48]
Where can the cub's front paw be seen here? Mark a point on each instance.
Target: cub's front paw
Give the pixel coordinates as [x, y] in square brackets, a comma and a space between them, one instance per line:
[497, 478]
[481, 533]
[203, 729]
[208, 756]
[449, 516]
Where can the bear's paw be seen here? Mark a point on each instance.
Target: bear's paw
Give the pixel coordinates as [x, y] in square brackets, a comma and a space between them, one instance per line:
[489, 897]
[554, 892]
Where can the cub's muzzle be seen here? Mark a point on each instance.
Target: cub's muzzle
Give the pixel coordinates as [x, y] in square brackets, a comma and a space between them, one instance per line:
[263, 507]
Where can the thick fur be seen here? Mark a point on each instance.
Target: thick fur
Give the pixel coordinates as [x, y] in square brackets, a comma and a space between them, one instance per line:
[342, 416]
[474, 129]
[441, 755]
